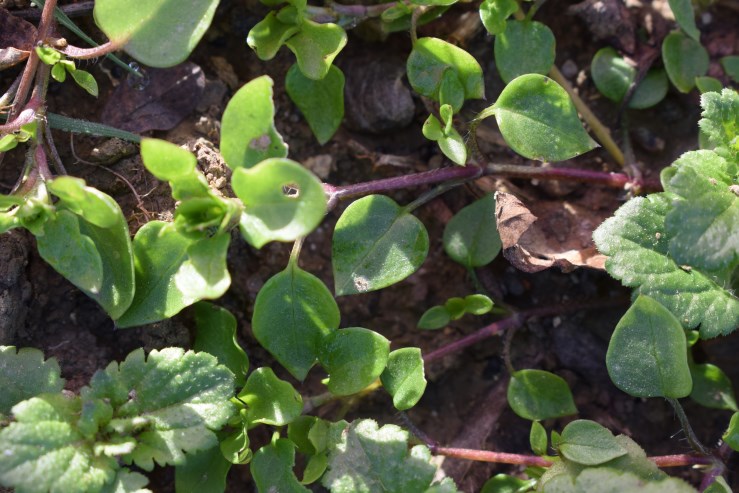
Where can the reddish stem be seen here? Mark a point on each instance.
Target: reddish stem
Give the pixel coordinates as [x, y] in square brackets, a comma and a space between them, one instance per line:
[490, 456]
[87, 53]
[680, 460]
[26, 116]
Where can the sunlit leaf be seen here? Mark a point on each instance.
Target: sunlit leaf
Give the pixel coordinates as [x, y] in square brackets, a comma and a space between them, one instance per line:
[26, 374]
[538, 394]
[353, 358]
[588, 443]
[320, 101]
[525, 47]
[404, 377]
[270, 400]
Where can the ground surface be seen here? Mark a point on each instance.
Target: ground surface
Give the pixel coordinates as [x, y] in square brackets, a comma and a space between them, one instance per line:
[464, 404]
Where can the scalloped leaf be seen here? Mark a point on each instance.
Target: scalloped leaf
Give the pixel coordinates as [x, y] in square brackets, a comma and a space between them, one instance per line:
[404, 377]
[637, 243]
[293, 313]
[158, 33]
[26, 374]
[720, 121]
[376, 243]
[171, 401]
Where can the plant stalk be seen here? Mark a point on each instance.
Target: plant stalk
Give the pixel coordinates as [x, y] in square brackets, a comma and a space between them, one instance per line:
[88, 53]
[490, 456]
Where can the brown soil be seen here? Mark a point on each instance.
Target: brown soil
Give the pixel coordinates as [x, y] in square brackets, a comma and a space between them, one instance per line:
[464, 404]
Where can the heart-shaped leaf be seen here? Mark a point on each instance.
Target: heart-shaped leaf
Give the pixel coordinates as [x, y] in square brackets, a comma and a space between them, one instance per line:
[353, 358]
[320, 101]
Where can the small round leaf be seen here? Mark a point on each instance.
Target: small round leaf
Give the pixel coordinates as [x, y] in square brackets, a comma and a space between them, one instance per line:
[651, 90]
[588, 443]
[434, 318]
[525, 47]
[471, 236]
[612, 74]
[353, 358]
[537, 395]
[684, 59]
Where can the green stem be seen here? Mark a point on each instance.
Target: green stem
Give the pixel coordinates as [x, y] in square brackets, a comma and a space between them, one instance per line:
[695, 444]
[295, 252]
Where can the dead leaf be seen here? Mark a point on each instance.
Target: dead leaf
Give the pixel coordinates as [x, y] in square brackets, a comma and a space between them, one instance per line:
[17, 37]
[168, 97]
[552, 234]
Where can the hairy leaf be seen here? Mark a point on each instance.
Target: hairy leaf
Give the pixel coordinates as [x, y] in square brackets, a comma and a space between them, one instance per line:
[353, 358]
[320, 101]
[127, 481]
[25, 374]
[471, 236]
[293, 314]
[272, 468]
[376, 244]
[538, 394]
[404, 377]
[216, 334]
[720, 121]
[525, 47]
[270, 400]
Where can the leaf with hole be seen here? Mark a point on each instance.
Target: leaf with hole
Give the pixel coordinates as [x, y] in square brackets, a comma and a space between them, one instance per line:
[215, 333]
[525, 47]
[353, 358]
[538, 394]
[320, 101]
[248, 134]
[269, 400]
[647, 353]
[26, 374]
[376, 243]
[611, 73]
[158, 33]
[684, 59]
[471, 236]
[282, 200]
[293, 313]
[404, 377]
[538, 120]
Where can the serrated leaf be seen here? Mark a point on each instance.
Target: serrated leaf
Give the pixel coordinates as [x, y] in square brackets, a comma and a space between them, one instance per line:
[711, 387]
[494, 13]
[612, 74]
[42, 451]
[272, 468]
[248, 134]
[173, 272]
[684, 59]
[376, 243]
[538, 394]
[372, 459]
[651, 90]
[434, 318]
[354, 358]
[320, 101]
[720, 121]
[588, 443]
[429, 60]
[127, 481]
[538, 438]
[282, 201]
[172, 399]
[636, 241]
[26, 374]
[315, 47]
[216, 334]
[293, 314]
[404, 377]
[703, 226]
[647, 355]
[685, 17]
[471, 236]
[539, 121]
[158, 33]
[203, 471]
[525, 47]
[270, 400]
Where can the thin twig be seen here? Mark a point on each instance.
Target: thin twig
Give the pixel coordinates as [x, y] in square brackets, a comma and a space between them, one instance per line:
[490, 456]
[88, 53]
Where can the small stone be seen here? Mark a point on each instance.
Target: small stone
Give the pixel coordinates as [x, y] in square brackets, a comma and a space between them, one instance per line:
[321, 165]
[569, 69]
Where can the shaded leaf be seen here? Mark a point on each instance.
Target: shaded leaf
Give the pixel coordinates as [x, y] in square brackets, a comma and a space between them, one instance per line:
[683, 11]
[320, 101]
[684, 59]
[525, 47]
[731, 435]
[537, 395]
[404, 377]
[612, 74]
[270, 400]
[711, 387]
[216, 334]
[127, 481]
[26, 374]
[730, 65]
[434, 318]
[353, 358]
[272, 468]
[538, 438]
[203, 471]
[471, 236]
[376, 243]
[708, 84]
[494, 13]
[503, 483]
[588, 443]
[651, 90]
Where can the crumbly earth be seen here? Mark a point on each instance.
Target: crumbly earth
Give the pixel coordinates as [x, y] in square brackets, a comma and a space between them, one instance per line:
[464, 404]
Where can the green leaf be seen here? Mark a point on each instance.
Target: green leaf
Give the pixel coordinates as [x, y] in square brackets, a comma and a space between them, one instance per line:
[647, 353]
[91, 204]
[368, 458]
[158, 33]
[711, 387]
[269, 400]
[171, 401]
[429, 60]
[203, 471]
[272, 468]
[171, 163]
[248, 134]
[588, 443]
[606, 480]
[451, 91]
[127, 481]
[446, 485]
[636, 241]
[538, 394]
[173, 272]
[683, 11]
[434, 318]
[315, 47]
[612, 74]
[731, 66]
[708, 84]
[48, 55]
[684, 59]
[456, 307]
[282, 201]
[538, 438]
[730, 436]
[59, 73]
[478, 304]
[525, 47]
[267, 37]
[86, 81]
[651, 90]
[702, 226]
[450, 142]
[216, 334]
[404, 377]
[376, 243]
[26, 374]
[320, 101]
[315, 468]
[494, 13]
[720, 121]
[8, 142]
[471, 236]
[353, 358]
[293, 314]
[538, 120]
[43, 451]
[298, 432]
[719, 485]
[503, 483]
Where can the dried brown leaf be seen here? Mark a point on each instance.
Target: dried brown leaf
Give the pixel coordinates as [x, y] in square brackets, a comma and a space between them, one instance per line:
[17, 37]
[552, 234]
